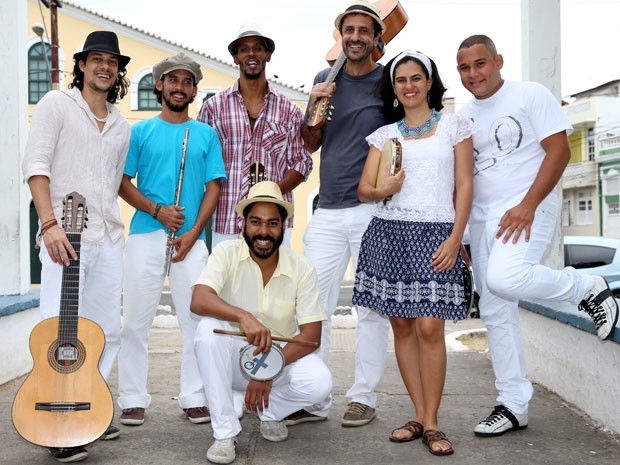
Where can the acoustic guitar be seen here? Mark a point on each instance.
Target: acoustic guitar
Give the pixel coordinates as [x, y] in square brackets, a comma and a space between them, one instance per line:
[64, 401]
[394, 16]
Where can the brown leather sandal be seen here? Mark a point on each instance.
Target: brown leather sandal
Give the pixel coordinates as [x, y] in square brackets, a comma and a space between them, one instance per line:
[431, 436]
[416, 429]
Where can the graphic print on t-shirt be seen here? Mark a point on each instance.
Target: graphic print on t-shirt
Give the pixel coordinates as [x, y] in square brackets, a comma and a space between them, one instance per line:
[504, 137]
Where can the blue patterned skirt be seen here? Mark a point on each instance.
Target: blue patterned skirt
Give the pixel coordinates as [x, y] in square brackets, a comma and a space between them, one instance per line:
[394, 276]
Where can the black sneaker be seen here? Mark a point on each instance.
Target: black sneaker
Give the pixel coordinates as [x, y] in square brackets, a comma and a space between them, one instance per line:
[602, 308]
[501, 420]
[111, 433]
[70, 454]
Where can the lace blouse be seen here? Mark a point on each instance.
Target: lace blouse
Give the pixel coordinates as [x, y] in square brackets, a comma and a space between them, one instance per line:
[427, 192]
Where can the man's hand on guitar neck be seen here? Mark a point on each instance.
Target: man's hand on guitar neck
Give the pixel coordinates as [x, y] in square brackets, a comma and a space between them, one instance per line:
[58, 246]
[321, 89]
[310, 131]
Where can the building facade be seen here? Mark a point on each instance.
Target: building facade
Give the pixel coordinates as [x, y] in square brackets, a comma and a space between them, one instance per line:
[591, 182]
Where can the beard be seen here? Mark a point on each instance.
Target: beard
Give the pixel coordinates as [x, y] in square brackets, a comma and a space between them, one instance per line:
[358, 59]
[177, 107]
[253, 75]
[263, 252]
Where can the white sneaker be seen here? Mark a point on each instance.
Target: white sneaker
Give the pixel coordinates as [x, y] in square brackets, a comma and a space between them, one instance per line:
[274, 431]
[602, 307]
[501, 420]
[222, 451]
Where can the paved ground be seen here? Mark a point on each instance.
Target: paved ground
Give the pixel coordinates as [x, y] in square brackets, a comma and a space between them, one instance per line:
[557, 435]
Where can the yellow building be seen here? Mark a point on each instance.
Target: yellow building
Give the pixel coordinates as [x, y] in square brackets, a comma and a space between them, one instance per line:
[75, 23]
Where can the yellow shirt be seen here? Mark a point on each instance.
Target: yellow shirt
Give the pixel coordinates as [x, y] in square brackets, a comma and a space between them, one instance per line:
[290, 298]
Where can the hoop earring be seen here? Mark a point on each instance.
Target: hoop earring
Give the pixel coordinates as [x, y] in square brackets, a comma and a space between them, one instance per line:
[395, 103]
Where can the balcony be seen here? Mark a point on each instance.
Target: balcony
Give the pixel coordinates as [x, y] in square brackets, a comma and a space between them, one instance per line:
[578, 175]
[609, 147]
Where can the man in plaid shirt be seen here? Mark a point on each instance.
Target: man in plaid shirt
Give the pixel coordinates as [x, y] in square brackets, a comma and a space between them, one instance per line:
[255, 124]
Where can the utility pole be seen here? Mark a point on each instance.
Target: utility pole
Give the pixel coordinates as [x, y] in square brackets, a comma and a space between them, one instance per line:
[53, 5]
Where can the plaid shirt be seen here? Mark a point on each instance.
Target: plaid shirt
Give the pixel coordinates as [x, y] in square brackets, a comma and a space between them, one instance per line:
[275, 143]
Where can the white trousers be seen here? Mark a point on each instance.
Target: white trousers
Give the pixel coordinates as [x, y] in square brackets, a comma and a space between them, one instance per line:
[216, 238]
[303, 384]
[145, 257]
[332, 238]
[506, 273]
[101, 271]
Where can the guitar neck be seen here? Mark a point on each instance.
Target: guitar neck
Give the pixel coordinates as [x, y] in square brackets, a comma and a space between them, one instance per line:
[336, 67]
[69, 295]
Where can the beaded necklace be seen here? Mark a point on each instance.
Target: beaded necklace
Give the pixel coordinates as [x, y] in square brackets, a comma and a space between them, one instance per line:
[418, 131]
[101, 120]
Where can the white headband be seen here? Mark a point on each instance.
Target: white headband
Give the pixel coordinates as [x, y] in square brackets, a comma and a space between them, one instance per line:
[408, 53]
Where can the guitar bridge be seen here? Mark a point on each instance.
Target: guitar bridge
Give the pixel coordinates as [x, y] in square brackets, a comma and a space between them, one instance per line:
[67, 354]
[62, 406]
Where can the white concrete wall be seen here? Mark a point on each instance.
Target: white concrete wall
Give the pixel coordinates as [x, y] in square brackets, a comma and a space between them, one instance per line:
[574, 364]
[14, 196]
[15, 357]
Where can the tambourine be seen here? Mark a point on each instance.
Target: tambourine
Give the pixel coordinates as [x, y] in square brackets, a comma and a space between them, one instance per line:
[261, 367]
[390, 163]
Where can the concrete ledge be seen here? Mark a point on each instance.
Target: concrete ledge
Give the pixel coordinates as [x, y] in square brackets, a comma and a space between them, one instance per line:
[18, 315]
[571, 361]
[10, 304]
[566, 313]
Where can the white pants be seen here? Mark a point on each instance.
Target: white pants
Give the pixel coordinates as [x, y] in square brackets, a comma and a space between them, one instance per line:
[506, 273]
[303, 384]
[332, 238]
[101, 271]
[145, 256]
[216, 238]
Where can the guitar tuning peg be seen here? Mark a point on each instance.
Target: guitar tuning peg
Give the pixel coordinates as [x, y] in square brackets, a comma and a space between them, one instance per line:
[331, 107]
[329, 117]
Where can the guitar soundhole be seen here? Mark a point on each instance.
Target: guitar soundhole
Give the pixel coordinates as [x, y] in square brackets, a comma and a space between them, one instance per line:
[59, 360]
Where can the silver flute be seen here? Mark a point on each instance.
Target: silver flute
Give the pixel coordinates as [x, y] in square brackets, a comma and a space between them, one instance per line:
[177, 198]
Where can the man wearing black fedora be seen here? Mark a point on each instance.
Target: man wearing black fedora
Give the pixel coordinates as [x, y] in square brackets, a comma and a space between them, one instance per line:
[78, 142]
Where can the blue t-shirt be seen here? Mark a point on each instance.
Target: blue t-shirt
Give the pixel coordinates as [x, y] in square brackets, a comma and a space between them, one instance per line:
[155, 154]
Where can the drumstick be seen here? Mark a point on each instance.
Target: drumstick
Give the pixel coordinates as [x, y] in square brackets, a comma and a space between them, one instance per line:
[275, 338]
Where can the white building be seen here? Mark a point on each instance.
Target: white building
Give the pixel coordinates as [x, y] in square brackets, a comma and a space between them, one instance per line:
[591, 182]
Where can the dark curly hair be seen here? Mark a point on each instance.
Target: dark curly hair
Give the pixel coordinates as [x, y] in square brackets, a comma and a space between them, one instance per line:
[386, 90]
[116, 92]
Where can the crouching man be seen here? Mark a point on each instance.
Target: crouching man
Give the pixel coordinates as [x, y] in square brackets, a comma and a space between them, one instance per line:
[256, 286]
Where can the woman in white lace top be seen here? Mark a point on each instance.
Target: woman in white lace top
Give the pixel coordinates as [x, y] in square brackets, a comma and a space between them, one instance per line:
[409, 263]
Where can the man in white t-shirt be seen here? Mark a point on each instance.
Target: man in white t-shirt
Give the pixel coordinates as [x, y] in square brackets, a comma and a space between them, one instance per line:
[520, 152]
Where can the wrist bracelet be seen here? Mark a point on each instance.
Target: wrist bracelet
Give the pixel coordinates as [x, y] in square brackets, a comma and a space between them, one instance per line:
[196, 229]
[156, 212]
[46, 226]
